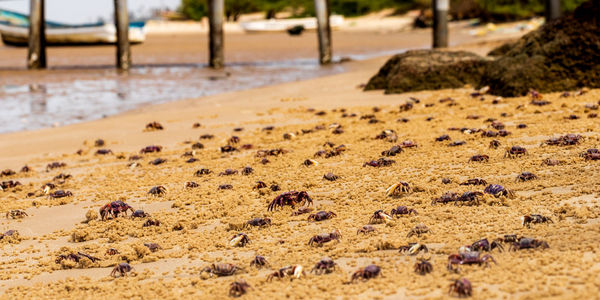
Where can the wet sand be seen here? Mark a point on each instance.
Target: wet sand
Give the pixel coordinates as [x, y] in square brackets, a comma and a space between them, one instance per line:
[196, 224]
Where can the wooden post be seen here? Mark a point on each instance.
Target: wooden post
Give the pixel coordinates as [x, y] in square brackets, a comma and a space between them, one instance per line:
[323, 30]
[122, 25]
[216, 11]
[440, 23]
[552, 10]
[36, 56]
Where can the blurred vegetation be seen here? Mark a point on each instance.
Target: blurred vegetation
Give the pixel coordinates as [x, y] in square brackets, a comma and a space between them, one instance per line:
[487, 10]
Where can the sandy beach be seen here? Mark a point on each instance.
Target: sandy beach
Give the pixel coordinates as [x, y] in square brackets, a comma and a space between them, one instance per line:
[196, 224]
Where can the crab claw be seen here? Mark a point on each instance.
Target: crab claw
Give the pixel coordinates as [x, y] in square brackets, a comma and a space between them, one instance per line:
[391, 189]
[298, 271]
[236, 240]
[464, 249]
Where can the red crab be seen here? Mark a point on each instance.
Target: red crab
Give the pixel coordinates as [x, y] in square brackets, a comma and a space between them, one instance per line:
[366, 273]
[114, 209]
[321, 216]
[468, 258]
[320, 239]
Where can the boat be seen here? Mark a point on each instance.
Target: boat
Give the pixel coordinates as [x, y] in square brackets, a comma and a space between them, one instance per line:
[281, 25]
[14, 29]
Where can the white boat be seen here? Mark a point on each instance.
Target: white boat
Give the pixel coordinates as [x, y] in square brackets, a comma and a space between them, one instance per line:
[14, 28]
[280, 25]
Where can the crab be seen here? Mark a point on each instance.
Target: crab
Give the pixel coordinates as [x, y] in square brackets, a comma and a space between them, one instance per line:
[154, 126]
[247, 170]
[153, 247]
[26, 169]
[461, 287]
[379, 216]
[301, 211]
[474, 181]
[402, 210]
[325, 265]
[321, 215]
[151, 149]
[366, 273]
[222, 269]
[259, 262]
[114, 209]
[239, 240]
[366, 229]
[9, 233]
[479, 158]
[294, 270]
[258, 222]
[389, 135]
[201, 172]
[418, 230]
[122, 269]
[494, 144]
[469, 258]
[151, 222]
[526, 176]
[197, 146]
[423, 266]
[457, 143]
[157, 161]
[16, 214]
[228, 172]
[413, 248]
[191, 185]
[310, 162]
[528, 243]
[408, 144]
[442, 138]
[445, 198]
[259, 185]
[112, 251]
[330, 176]
[291, 198]
[535, 219]
[591, 154]
[228, 148]
[238, 288]
[469, 198]
[497, 190]
[103, 152]
[60, 194]
[158, 190]
[54, 165]
[76, 257]
[392, 151]
[515, 151]
[139, 214]
[322, 238]
[485, 245]
[398, 189]
[382, 162]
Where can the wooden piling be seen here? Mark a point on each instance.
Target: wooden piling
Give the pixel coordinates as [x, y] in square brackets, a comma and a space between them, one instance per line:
[216, 12]
[36, 56]
[440, 23]
[323, 31]
[122, 25]
[552, 10]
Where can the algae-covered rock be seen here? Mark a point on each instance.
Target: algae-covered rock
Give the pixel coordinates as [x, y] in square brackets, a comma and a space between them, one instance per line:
[428, 70]
[561, 55]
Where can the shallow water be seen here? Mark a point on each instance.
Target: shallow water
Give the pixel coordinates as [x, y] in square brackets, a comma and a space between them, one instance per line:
[67, 96]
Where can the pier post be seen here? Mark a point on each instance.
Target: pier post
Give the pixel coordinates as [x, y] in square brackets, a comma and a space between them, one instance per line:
[552, 10]
[36, 56]
[216, 12]
[122, 25]
[323, 30]
[440, 23]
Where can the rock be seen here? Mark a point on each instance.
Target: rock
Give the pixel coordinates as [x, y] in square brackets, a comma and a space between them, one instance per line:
[561, 55]
[428, 70]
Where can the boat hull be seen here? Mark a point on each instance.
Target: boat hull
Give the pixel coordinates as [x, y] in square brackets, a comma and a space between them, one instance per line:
[93, 35]
[281, 25]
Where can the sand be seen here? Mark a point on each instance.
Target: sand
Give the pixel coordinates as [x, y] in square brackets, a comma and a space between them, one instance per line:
[196, 224]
